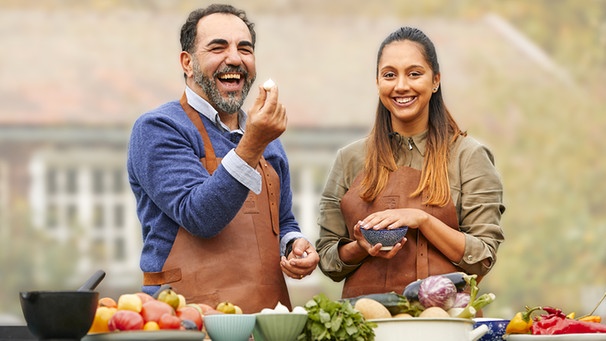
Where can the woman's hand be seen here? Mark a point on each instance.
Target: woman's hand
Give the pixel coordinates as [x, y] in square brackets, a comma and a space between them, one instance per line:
[375, 251]
[394, 218]
[301, 261]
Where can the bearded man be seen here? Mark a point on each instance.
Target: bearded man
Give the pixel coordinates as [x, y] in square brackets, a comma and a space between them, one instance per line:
[212, 182]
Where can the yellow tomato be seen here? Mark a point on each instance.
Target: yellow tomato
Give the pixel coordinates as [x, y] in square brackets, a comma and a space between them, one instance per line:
[130, 302]
[151, 325]
[102, 316]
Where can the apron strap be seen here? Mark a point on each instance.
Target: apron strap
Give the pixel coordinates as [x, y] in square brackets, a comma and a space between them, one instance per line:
[210, 162]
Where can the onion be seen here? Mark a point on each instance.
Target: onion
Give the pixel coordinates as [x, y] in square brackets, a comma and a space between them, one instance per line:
[461, 300]
[437, 291]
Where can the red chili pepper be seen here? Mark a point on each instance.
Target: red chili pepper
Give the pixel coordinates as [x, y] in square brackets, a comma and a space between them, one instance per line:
[555, 322]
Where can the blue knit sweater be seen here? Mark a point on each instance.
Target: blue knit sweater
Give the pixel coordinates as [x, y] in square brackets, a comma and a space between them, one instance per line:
[172, 188]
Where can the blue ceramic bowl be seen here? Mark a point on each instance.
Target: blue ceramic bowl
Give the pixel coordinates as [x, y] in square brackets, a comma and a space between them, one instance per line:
[496, 328]
[387, 238]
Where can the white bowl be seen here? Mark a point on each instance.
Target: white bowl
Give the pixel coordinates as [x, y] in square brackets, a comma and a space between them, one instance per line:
[279, 327]
[421, 328]
[229, 327]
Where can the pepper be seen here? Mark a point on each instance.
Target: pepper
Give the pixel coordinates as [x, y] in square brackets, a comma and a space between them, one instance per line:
[555, 322]
[521, 322]
[591, 318]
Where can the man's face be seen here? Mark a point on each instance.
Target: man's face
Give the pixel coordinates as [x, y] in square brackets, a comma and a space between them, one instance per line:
[223, 63]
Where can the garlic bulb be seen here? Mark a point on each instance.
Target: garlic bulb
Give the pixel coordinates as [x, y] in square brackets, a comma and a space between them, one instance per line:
[268, 84]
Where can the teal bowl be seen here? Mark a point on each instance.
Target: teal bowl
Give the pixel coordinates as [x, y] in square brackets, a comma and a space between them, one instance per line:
[229, 327]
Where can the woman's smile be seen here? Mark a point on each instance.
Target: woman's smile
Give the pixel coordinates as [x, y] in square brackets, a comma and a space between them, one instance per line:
[405, 101]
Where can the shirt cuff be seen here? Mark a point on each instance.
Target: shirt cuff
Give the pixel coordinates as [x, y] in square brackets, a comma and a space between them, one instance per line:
[242, 171]
[288, 237]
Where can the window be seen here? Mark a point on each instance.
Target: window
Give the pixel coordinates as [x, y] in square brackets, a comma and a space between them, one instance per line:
[97, 181]
[83, 193]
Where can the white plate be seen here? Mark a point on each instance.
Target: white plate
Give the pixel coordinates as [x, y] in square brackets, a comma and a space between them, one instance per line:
[563, 337]
[156, 335]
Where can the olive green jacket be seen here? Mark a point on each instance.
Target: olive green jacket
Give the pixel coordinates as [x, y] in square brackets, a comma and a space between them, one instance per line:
[476, 190]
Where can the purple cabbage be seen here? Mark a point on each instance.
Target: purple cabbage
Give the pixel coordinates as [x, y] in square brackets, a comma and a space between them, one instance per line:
[437, 291]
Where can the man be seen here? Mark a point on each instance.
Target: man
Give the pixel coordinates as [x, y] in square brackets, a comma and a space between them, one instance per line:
[212, 183]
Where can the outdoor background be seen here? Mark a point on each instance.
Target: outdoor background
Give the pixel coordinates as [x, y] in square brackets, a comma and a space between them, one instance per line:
[527, 78]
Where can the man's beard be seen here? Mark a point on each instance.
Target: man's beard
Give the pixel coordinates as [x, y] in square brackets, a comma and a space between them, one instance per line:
[234, 100]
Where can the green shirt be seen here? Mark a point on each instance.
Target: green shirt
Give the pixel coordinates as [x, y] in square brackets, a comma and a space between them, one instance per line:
[475, 186]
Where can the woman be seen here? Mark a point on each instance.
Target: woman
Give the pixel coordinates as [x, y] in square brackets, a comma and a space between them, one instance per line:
[415, 169]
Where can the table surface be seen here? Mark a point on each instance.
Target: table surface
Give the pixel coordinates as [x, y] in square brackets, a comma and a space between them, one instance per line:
[15, 333]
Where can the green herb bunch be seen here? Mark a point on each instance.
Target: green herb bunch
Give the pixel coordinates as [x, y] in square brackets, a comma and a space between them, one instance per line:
[335, 320]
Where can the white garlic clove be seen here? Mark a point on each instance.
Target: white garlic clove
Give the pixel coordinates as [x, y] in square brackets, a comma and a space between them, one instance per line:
[269, 84]
[280, 308]
[299, 310]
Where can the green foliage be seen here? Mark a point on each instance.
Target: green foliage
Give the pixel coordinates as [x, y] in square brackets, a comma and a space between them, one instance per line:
[335, 320]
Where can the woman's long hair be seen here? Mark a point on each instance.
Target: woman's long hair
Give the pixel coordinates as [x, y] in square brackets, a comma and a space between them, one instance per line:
[382, 150]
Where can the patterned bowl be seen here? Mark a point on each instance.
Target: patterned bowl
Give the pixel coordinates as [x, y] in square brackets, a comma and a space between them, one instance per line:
[496, 328]
[387, 238]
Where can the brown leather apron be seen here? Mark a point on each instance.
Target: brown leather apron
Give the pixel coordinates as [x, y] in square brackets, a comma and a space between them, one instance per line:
[242, 263]
[417, 259]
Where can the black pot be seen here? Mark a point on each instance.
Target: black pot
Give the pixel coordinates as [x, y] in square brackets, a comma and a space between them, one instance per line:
[60, 315]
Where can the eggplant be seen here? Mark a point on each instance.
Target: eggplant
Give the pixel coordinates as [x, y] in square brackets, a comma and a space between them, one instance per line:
[411, 292]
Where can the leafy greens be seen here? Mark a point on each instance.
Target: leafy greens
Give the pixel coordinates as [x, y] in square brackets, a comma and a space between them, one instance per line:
[335, 321]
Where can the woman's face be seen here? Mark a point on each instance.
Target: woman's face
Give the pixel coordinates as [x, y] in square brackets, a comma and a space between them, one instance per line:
[405, 82]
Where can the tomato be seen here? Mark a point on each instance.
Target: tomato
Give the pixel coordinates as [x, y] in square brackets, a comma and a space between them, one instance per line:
[151, 325]
[107, 302]
[101, 321]
[145, 297]
[125, 320]
[192, 314]
[130, 302]
[153, 310]
[169, 321]
[208, 310]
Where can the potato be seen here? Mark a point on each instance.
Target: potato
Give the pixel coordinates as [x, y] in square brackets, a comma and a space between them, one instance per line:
[434, 312]
[403, 315]
[371, 309]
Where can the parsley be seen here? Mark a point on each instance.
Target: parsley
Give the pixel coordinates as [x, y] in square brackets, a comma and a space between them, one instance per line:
[335, 321]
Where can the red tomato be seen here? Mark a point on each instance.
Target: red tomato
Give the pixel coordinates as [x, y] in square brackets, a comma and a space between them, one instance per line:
[192, 314]
[125, 320]
[153, 310]
[145, 297]
[208, 310]
[169, 321]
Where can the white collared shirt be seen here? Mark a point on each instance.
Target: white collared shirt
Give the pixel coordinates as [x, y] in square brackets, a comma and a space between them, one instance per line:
[233, 163]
